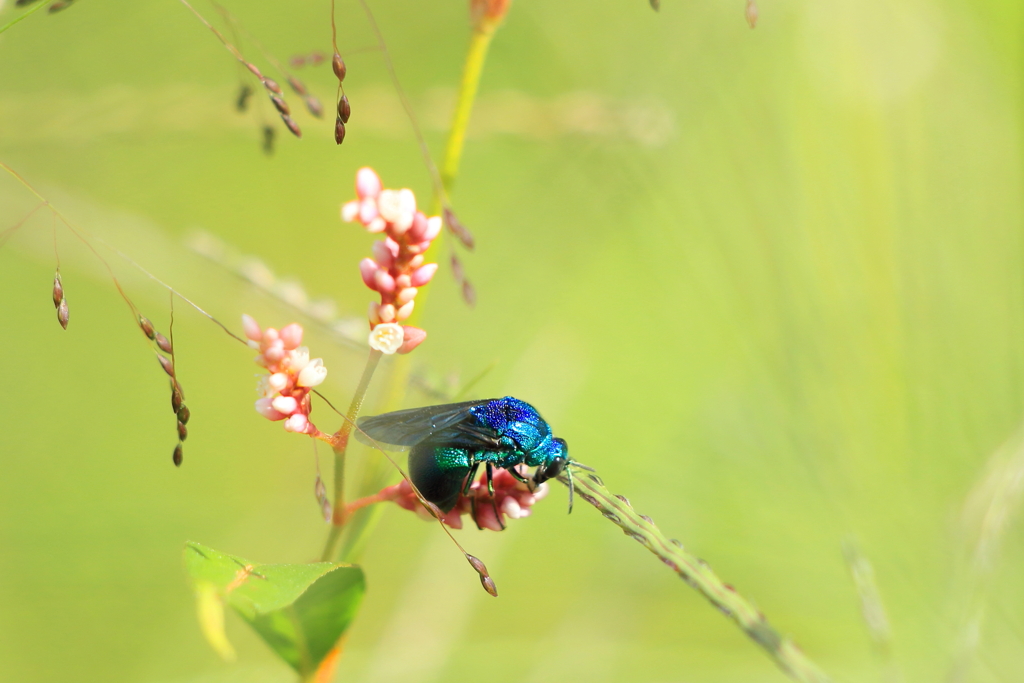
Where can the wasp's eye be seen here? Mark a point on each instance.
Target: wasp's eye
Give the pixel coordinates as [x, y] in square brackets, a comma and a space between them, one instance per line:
[551, 471]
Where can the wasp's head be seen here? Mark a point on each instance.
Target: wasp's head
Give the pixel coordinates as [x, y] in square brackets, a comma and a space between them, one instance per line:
[557, 459]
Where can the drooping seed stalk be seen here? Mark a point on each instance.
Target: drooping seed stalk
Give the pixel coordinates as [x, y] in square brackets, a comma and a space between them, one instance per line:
[340, 444]
[18, 18]
[698, 575]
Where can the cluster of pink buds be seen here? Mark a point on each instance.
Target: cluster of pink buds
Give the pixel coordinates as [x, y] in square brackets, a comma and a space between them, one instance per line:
[285, 391]
[396, 270]
[512, 499]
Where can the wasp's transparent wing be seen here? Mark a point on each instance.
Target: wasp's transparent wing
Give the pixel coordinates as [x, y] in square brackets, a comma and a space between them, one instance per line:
[451, 424]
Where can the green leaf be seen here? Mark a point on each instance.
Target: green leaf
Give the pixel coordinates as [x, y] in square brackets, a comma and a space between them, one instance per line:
[300, 610]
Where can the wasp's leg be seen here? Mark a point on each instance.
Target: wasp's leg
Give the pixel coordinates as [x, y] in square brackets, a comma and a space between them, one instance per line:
[468, 488]
[518, 477]
[490, 490]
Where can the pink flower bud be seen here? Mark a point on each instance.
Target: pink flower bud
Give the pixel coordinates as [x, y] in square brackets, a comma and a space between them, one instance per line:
[264, 408]
[367, 268]
[382, 255]
[270, 335]
[423, 275]
[392, 246]
[433, 228]
[275, 352]
[419, 227]
[291, 335]
[405, 295]
[403, 281]
[405, 311]
[367, 211]
[413, 337]
[384, 281]
[367, 183]
[298, 423]
[350, 210]
[416, 261]
[285, 405]
[378, 224]
[252, 328]
[386, 313]
[278, 381]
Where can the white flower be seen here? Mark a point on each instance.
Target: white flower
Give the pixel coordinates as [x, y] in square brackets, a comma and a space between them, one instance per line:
[299, 359]
[298, 423]
[397, 207]
[313, 374]
[350, 210]
[387, 337]
[286, 405]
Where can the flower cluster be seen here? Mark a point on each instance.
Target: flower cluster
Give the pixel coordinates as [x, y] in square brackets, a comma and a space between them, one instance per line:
[285, 391]
[512, 499]
[396, 270]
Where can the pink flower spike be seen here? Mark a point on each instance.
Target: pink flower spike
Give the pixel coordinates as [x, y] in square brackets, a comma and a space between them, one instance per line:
[367, 269]
[383, 255]
[299, 424]
[423, 275]
[384, 281]
[350, 211]
[263, 407]
[367, 183]
[252, 328]
[413, 337]
[291, 335]
[286, 405]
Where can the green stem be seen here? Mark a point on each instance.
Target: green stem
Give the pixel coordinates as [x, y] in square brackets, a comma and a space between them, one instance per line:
[18, 18]
[340, 444]
[471, 70]
[698, 575]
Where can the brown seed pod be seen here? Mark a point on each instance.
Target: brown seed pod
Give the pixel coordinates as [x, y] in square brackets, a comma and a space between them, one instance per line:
[163, 343]
[477, 564]
[59, 5]
[456, 265]
[177, 400]
[58, 290]
[468, 293]
[147, 327]
[271, 85]
[458, 229]
[184, 414]
[316, 57]
[182, 431]
[344, 109]
[177, 457]
[325, 509]
[281, 106]
[292, 126]
[62, 313]
[489, 586]
[339, 67]
[339, 131]
[166, 364]
[656, 5]
[314, 106]
[297, 61]
[254, 70]
[297, 86]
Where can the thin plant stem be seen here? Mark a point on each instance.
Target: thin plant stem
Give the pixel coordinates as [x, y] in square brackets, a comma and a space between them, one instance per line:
[340, 444]
[471, 71]
[18, 18]
[698, 575]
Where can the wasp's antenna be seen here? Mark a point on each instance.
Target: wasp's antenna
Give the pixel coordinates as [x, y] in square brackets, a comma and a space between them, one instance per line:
[582, 466]
[568, 471]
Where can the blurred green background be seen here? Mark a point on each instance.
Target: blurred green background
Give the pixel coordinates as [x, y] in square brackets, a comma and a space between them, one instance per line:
[769, 283]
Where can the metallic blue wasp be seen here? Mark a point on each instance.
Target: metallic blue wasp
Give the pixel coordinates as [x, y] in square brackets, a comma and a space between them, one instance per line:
[450, 442]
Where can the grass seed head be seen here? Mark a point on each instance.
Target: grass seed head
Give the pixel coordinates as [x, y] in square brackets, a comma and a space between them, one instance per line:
[339, 131]
[271, 85]
[280, 105]
[183, 414]
[292, 126]
[147, 327]
[177, 457]
[167, 365]
[182, 431]
[344, 109]
[58, 290]
[314, 106]
[297, 86]
[489, 585]
[163, 343]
